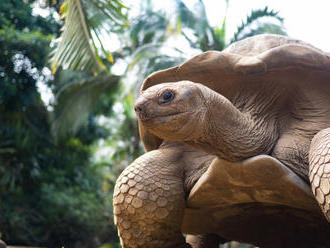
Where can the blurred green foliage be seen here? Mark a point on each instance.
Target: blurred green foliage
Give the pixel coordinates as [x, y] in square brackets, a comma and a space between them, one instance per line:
[51, 194]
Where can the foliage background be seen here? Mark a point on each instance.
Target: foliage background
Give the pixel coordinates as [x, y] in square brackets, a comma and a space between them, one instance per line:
[59, 160]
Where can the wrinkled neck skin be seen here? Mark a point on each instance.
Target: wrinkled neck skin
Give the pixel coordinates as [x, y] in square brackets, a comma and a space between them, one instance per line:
[231, 134]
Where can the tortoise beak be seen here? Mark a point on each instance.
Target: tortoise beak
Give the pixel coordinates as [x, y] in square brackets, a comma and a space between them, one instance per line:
[141, 108]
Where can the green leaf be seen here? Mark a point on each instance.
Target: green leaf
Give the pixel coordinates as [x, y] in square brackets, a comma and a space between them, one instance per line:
[76, 49]
[252, 18]
[76, 101]
[153, 57]
[269, 28]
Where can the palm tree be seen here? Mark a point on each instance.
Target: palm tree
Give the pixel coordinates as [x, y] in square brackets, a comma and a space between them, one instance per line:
[81, 48]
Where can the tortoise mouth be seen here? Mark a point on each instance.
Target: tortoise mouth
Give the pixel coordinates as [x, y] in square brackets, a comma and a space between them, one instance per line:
[146, 117]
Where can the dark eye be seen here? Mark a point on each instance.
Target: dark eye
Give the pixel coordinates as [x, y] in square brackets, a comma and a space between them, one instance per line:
[166, 97]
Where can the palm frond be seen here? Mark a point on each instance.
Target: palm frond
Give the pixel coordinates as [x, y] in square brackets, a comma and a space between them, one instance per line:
[219, 37]
[77, 49]
[252, 18]
[219, 33]
[150, 58]
[145, 52]
[150, 27]
[205, 37]
[195, 20]
[269, 28]
[75, 102]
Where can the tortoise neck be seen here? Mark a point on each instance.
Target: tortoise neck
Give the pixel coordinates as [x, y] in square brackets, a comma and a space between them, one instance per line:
[233, 135]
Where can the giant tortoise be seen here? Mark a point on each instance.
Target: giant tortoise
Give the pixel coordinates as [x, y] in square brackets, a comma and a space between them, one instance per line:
[237, 149]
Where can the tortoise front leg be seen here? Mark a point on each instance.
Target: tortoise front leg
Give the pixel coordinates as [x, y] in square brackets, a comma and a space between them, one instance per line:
[319, 169]
[149, 201]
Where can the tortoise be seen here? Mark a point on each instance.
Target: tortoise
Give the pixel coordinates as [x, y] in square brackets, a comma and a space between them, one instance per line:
[237, 149]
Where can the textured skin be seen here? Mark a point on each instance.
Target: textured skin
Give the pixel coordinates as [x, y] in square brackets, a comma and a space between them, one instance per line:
[149, 198]
[319, 170]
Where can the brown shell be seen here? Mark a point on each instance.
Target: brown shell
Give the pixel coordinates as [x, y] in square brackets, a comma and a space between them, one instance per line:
[260, 58]
[258, 201]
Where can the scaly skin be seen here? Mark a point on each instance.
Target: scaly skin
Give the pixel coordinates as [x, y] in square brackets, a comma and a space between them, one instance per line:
[149, 201]
[319, 169]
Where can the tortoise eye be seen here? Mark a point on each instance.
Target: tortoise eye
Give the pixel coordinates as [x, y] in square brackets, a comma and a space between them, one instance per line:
[166, 97]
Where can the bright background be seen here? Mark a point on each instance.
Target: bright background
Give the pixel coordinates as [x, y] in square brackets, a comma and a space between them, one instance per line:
[305, 20]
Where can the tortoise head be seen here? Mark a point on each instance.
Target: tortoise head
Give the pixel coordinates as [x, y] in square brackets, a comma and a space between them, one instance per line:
[172, 111]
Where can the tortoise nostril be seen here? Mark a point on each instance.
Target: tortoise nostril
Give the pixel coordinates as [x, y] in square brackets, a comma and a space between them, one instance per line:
[138, 109]
[140, 106]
